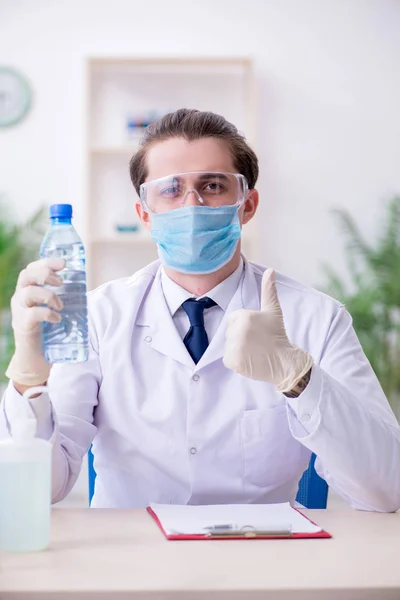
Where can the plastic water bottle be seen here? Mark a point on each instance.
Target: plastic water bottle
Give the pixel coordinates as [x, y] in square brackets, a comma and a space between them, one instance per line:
[25, 489]
[66, 341]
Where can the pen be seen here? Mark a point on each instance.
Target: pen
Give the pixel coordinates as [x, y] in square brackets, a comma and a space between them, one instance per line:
[229, 530]
[223, 527]
[248, 534]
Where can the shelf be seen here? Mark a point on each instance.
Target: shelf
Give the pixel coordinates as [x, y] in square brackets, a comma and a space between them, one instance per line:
[124, 150]
[167, 61]
[183, 66]
[122, 89]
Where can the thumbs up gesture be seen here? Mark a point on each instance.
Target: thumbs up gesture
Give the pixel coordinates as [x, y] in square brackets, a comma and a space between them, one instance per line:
[257, 345]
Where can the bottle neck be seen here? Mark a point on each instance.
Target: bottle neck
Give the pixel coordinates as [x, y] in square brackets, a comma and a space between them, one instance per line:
[60, 221]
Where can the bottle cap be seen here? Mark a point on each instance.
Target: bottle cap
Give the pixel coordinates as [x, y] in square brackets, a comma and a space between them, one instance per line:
[60, 211]
[24, 426]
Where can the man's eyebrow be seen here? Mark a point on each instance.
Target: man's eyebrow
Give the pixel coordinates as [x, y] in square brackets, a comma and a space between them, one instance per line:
[170, 178]
[213, 175]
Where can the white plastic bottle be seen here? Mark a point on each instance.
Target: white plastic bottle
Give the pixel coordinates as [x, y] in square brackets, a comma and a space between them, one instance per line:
[25, 484]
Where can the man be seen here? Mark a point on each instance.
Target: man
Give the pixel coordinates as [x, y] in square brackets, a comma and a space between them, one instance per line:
[210, 379]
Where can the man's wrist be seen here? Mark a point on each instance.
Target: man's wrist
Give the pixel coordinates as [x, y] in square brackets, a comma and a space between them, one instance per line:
[300, 386]
[21, 388]
[27, 369]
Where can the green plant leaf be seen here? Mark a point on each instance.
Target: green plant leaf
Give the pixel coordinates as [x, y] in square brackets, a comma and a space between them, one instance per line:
[19, 245]
[372, 295]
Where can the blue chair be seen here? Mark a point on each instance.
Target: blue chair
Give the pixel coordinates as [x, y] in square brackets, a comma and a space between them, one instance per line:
[313, 491]
[92, 474]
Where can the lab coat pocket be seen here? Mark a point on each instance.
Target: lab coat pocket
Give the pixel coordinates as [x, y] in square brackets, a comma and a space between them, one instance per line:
[269, 449]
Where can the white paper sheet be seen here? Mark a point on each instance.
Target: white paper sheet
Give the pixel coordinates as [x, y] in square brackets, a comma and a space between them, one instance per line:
[266, 517]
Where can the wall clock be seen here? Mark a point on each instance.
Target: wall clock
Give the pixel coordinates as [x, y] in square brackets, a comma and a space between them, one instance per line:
[15, 97]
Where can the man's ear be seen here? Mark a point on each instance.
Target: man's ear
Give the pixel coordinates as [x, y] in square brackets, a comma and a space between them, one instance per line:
[144, 216]
[249, 206]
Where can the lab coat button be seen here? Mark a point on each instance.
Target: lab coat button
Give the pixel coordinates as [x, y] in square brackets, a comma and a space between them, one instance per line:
[193, 450]
[306, 417]
[148, 339]
[196, 377]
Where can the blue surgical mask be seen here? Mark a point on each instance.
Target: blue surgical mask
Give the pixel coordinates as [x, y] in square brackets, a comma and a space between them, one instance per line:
[196, 239]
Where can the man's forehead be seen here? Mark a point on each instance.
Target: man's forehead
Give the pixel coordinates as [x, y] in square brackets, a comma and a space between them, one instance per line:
[177, 155]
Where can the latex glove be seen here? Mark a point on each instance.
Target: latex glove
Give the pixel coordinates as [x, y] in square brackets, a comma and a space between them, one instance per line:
[28, 365]
[257, 345]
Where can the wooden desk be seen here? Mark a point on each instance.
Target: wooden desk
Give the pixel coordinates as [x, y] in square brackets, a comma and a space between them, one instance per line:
[112, 554]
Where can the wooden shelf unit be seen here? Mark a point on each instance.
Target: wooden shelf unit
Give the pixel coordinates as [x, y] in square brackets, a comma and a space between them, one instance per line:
[120, 87]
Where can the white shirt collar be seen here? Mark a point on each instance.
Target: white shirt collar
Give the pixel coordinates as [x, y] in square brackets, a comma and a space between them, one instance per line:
[222, 294]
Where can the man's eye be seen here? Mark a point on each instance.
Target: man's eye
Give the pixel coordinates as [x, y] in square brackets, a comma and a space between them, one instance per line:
[171, 191]
[214, 187]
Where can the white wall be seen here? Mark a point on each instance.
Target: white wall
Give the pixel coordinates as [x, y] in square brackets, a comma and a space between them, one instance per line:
[329, 103]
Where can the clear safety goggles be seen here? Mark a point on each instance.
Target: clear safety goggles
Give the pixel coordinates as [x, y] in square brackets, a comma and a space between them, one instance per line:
[208, 188]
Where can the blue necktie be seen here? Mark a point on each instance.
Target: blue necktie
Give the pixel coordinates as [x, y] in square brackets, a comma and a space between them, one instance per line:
[196, 340]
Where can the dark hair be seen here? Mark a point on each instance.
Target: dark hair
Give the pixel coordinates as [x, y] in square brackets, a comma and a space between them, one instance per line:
[191, 124]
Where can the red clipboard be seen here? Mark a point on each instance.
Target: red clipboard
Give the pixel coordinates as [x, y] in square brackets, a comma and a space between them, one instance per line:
[184, 536]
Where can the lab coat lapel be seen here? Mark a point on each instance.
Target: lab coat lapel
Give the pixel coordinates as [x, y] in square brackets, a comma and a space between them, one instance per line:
[246, 296]
[161, 333]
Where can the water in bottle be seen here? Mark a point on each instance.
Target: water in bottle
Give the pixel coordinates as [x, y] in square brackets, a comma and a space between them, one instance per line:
[66, 341]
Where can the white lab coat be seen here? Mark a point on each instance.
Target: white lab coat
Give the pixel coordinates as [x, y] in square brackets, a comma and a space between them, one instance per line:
[167, 430]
